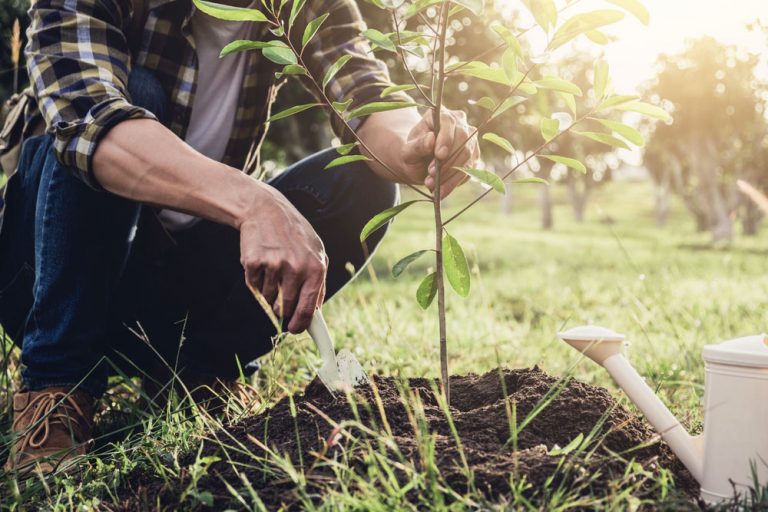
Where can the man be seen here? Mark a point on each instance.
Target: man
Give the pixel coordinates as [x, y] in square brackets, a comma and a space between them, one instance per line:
[130, 217]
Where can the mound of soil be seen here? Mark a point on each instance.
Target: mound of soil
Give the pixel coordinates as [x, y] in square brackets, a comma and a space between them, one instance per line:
[481, 415]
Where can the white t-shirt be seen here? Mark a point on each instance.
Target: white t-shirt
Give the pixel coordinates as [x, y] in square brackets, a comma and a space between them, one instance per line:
[216, 96]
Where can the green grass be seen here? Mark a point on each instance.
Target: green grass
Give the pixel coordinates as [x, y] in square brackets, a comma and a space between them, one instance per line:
[665, 288]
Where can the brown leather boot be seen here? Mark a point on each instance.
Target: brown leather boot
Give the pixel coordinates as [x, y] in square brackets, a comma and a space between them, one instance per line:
[52, 428]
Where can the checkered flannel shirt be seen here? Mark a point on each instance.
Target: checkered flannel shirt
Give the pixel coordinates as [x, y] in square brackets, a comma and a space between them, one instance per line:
[79, 60]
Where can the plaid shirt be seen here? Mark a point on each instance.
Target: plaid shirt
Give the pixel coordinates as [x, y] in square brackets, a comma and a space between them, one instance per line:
[79, 60]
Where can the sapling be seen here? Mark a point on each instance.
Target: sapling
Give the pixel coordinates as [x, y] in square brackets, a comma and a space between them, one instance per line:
[508, 66]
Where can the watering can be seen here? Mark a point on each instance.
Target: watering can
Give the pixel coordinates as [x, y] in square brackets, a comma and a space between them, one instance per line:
[734, 445]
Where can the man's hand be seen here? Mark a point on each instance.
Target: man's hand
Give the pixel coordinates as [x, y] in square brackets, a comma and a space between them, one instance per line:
[283, 259]
[407, 143]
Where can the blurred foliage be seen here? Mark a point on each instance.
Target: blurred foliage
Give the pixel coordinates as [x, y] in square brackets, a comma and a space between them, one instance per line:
[717, 137]
[9, 11]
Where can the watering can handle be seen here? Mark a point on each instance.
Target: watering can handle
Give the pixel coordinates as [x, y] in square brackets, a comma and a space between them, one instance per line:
[318, 330]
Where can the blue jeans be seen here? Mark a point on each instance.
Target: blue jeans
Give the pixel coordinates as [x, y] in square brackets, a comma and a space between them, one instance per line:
[82, 272]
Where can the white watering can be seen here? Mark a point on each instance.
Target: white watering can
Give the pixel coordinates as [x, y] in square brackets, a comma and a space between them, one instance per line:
[735, 438]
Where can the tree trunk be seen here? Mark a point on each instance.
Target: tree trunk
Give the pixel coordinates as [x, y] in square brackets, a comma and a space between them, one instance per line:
[721, 223]
[662, 200]
[578, 197]
[545, 200]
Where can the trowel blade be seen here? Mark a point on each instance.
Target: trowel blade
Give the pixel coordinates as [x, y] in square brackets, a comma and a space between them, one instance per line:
[351, 371]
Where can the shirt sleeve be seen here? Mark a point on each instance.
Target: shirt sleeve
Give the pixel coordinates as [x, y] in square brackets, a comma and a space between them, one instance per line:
[78, 60]
[363, 78]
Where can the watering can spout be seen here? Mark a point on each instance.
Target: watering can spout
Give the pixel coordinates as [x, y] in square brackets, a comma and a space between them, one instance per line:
[604, 347]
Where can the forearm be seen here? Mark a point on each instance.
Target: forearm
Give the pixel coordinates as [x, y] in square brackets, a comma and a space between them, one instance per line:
[144, 161]
[385, 134]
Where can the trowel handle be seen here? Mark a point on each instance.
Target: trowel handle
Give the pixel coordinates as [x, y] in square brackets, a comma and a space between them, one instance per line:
[322, 338]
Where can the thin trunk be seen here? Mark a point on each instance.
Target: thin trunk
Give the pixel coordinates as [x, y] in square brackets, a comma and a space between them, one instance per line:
[662, 199]
[545, 202]
[438, 101]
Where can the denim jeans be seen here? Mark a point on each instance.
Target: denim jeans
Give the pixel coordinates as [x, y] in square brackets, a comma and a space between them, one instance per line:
[91, 282]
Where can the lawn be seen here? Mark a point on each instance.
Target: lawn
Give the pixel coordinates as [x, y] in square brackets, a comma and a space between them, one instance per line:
[666, 288]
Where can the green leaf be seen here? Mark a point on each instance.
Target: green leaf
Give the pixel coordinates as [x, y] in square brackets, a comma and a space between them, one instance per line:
[570, 162]
[379, 39]
[481, 70]
[549, 128]
[382, 218]
[614, 101]
[558, 84]
[279, 55]
[476, 6]
[523, 181]
[512, 42]
[418, 6]
[341, 106]
[347, 159]
[396, 88]
[311, 29]
[228, 12]
[629, 133]
[335, 67]
[379, 106]
[292, 110]
[646, 109]
[499, 141]
[509, 64]
[569, 100]
[508, 103]
[427, 290]
[293, 69]
[485, 102]
[597, 37]
[543, 11]
[604, 138]
[582, 23]
[245, 44]
[455, 264]
[635, 8]
[575, 443]
[601, 78]
[344, 149]
[295, 10]
[401, 265]
[487, 177]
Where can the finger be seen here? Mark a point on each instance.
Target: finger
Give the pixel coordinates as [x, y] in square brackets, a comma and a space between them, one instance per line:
[308, 301]
[462, 159]
[451, 184]
[254, 278]
[420, 149]
[445, 139]
[269, 287]
[290, 288]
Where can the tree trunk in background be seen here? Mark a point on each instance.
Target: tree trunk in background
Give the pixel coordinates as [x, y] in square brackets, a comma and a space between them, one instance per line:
[662, 199]
[545, 201]
[704, 162]
[507, 202]
[578, 195]
[692, 204]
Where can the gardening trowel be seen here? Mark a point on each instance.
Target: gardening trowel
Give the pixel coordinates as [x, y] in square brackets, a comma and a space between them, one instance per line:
[339, 372]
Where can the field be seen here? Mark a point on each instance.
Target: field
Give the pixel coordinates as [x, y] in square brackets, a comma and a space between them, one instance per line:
[666, 288]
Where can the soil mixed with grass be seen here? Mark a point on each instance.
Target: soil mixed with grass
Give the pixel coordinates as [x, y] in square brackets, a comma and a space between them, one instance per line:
[570, 437]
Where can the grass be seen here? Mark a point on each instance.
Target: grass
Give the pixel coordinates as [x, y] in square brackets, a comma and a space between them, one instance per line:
[667, 289]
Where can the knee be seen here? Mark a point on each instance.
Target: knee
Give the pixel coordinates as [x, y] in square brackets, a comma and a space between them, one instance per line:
[146, 91]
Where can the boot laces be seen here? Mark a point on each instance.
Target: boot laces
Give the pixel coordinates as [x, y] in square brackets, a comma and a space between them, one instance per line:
[49, 409]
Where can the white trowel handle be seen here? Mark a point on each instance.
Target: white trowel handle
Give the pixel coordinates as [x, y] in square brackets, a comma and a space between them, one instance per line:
[322, 338]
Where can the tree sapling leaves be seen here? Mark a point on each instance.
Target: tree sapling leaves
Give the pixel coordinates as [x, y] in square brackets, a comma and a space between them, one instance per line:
[582, 23]
[569, 162]
[246, 44]
[597, 37]
[483, 71]
[293, 110]
[379, 106]
[382, 218]
[486, 177]
[335, 68]
[601, 79]
[341, 106]
[427, 290]
[544, 12]
[532, 179]
[558, 84]
[635, 8]
[512, 42]
[604, 138]
[549, 128]
[615, 101]
[312, 28]
[291, 69]
[646, 109]
[279, 55]
[344, 149]
[346, 159]
[379, 39]
[476, 6]
[396, 88]
[228, 12]
[401, 265]
[456, 267]
[296, 8]
[629, 133]
[499, 141]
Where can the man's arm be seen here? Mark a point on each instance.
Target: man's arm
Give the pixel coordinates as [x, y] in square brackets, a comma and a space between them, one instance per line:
[144, 161]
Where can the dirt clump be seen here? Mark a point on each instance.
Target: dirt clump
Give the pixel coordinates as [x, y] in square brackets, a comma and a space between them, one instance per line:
[556, 415]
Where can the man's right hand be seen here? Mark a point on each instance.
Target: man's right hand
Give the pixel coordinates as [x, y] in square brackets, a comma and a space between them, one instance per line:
[283, 258]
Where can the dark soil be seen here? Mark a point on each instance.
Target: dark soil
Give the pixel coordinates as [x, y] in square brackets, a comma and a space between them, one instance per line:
[481, 417]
